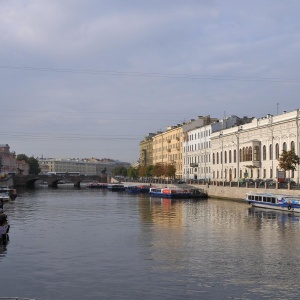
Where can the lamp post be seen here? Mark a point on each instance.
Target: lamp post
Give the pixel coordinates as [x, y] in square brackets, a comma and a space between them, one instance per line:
[271, 148]
[237, 134]
[221, 156]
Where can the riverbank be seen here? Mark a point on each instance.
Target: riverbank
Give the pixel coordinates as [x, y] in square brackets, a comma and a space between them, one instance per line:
[224, 191]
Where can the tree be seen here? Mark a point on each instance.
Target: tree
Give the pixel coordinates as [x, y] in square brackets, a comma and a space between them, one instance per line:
[120, 171]
[149, 170]
[288, 160]
[142, 171]
[33, 163]
[158, 170]
[34, 167]
[133, 172]
[22, 157]
[170, 171]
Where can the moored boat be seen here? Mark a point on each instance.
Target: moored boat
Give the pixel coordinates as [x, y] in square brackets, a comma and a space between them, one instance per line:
[132, 189]
[96, 185]
[144, 188]
[7, 193]
[198, 194]
[170, 192]
[115, 187]
[281, 202]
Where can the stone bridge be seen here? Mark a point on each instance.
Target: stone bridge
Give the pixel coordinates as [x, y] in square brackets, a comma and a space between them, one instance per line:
[20, 180]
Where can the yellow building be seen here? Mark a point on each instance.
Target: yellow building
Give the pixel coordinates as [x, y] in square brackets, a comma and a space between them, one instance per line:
[167, 148]
[146, 150]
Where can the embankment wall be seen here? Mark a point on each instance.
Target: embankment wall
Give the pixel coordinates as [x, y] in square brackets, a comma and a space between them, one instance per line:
[226, 192]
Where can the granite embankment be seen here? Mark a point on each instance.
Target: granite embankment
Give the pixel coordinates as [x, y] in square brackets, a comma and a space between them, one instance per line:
[223, 192]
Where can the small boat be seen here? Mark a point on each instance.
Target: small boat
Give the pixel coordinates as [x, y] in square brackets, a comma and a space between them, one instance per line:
[7, 194]
[115, 187]
[96, 185]
[287, 203]
[132, 189]
[144, 188]
[4, 196]
[137, 189]
[198, 194]
[170, 193]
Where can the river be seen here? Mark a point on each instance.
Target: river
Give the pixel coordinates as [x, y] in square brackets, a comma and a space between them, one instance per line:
[69, 244]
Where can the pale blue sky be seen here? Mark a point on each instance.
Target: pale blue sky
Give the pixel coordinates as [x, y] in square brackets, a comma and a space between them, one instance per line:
[92, 78]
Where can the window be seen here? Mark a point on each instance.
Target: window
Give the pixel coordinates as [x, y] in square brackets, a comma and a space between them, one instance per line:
[229, 156]
[271, 152]
[225, 157]
[293, 145]
[217, 158]
[256, 153]
[264, 152]
[277, 151]
[284, 147]
[249, 154]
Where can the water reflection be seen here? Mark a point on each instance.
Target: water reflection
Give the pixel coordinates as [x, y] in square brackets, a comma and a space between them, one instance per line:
[95, 244]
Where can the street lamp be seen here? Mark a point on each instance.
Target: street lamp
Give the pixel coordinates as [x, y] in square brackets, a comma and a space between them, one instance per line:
[221, 156]
[237, 134]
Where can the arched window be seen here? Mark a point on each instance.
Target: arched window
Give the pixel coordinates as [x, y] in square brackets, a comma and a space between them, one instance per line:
[284, 147]
[256, 153]
[277, 151]
[293, 145]
[249, 154]
[221, 157]
[241, 156]
[264, 152]
[244, 154]
[234, 156]
[271, 153]
[217, 158]
[225, 157]
[229, 156]
[214, 158]
[234, 172]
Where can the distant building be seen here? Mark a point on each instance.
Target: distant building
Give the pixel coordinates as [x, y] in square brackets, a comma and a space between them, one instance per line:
[146, 150]
[7, 159]
[86, 166]
[22, 167]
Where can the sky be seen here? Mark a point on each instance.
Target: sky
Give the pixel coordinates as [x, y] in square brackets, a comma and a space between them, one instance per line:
[92, 78]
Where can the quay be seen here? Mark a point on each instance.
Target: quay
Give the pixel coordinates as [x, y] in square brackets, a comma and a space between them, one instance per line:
[226, 190]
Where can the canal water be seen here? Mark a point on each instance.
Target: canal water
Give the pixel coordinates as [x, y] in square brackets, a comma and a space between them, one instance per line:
[74, 244]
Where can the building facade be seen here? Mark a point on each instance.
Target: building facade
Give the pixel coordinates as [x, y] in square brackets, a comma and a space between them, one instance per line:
[252, 150]
[7, 159]
[167, 148]
[197, 144]
[146, 151]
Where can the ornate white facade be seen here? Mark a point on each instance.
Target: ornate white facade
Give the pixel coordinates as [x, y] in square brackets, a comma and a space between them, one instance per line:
[253, 149]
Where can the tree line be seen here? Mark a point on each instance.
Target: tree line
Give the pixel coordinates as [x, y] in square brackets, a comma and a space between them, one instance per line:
[158, 170]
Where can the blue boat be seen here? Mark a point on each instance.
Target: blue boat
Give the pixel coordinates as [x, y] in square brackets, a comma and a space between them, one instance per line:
[287, 203]
[137, 189]
[170, 193]
[132, 189]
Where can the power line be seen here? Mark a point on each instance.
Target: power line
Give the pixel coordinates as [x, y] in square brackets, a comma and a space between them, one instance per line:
[144, 74]
[66, 136]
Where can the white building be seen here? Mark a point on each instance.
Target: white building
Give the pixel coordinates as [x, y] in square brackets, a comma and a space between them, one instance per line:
[253, 149]
[197, 145]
